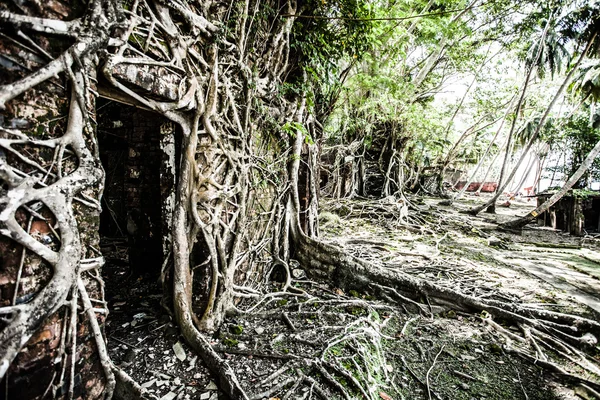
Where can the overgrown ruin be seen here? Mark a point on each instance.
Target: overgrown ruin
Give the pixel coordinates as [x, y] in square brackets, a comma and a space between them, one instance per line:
[190, 131]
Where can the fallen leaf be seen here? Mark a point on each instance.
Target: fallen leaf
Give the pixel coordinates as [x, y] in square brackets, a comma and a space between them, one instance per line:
[384, 396]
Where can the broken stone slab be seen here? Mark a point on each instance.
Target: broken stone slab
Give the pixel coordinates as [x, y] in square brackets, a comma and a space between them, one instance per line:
[148, 384]
[298, 273]
[169, 396]
[179, 352]
[192, 364]
[211, 386]
[161, 375]
[193, 361]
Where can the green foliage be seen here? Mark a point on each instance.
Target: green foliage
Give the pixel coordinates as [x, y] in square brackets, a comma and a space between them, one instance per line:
[282, 302]
[373, 80]
[357, 311]
[583, 193]
[587, 81]
[295, 128]
[574, 136]
[579, 136]
[229, 342]
[236, 329]
[323, 41]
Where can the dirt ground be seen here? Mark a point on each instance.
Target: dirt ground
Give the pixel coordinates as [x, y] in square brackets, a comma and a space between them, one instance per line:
[318, 341]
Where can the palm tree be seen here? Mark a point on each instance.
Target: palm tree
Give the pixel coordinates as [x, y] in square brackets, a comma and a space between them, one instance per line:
[537, 50]
[503, 184]
[587, 84]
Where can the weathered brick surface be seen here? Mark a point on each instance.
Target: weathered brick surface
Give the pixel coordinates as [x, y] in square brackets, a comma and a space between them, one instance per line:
[152, 79]
[41, 113]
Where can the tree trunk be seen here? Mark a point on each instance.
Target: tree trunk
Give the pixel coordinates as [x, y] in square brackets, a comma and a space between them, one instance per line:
[527, 172]
[467, 132]
[491, 205]
[502, 186]
[487, 150]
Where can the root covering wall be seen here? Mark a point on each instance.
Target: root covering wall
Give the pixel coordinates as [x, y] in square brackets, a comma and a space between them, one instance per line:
[63, 344]
[208, 183]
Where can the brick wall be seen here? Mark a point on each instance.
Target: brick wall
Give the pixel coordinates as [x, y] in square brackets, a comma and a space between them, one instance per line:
[41, 113]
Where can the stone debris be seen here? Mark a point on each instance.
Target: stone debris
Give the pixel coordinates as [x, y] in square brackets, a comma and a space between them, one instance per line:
[169, 396]
[148, 384]
[151, 352]
[179, 352]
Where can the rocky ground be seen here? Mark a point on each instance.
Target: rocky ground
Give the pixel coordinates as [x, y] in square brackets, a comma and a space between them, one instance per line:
[314, 340]
[142, 338]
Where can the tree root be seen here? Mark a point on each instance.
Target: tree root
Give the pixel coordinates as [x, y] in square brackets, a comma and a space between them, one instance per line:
[550, 366]
[128, 389]
[349, 272]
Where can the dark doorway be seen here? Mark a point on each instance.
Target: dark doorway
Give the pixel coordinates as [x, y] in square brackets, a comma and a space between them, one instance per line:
[138, 152]
[131, 154]
[591, 212]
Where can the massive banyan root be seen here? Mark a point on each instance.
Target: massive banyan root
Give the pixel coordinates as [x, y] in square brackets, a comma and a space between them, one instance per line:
[349, 272]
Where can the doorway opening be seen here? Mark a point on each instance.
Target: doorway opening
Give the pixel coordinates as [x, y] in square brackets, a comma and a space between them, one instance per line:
[137, 151]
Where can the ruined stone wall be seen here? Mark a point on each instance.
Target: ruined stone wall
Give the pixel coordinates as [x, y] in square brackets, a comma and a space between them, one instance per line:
[231, 195]
[42, 113]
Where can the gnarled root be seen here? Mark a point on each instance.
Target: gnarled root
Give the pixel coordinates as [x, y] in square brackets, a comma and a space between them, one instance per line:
[347, 272]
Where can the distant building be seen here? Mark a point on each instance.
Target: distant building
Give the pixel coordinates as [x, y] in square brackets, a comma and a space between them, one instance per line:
[578, 212]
